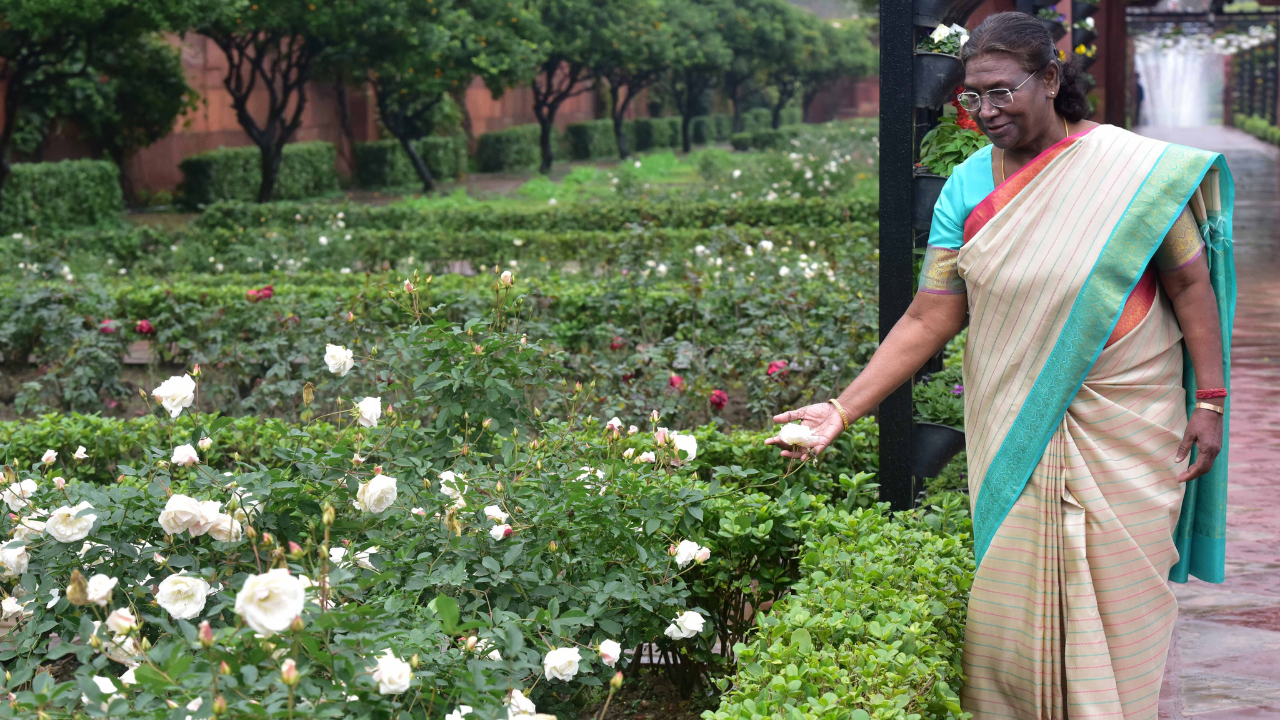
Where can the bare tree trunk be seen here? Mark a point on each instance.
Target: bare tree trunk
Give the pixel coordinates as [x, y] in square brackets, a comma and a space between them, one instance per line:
[271, 157]
[686, 142]
[419, 165]
[548, 154]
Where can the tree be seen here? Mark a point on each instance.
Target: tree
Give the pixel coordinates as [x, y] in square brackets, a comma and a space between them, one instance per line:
[630, 49]
[797, 43]
[46, 43]
[563, 34]
[699, 56]
[849, 53]
[755, 31]
[272, 45]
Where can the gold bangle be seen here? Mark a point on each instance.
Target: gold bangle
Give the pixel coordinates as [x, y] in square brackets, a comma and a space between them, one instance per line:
[844, 418]
[1210, 406]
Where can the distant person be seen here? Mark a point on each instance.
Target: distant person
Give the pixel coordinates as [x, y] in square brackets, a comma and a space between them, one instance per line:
[1073, 250]
[1142, 95]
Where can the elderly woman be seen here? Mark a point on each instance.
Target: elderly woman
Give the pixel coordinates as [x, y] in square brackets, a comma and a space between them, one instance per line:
[1095, 272]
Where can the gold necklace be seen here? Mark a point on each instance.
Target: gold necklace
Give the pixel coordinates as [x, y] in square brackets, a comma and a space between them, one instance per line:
[1066, 134]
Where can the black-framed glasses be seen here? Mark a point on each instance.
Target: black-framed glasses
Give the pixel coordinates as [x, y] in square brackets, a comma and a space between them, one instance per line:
[998, 97]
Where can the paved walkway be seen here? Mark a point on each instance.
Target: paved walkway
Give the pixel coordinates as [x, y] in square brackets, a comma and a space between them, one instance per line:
[1225, 661]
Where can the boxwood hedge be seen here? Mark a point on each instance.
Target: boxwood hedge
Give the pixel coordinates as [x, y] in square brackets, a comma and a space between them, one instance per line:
[61, 195]
[307, 170]
[385, 164]
[516, 148]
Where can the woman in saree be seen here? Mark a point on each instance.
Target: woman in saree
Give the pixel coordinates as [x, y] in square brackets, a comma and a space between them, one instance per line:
[1093, 267]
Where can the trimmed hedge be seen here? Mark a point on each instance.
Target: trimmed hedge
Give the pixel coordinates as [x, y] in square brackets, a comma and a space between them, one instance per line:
[306, 171]
[874, 630]
[654, 133]
[516, 148]
[385, 164]
[612, 216]
[61, 195]
[1258, 127]
[591, 140]
[767, 139]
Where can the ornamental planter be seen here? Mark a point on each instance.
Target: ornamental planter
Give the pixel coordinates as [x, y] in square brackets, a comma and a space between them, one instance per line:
[1086, 61]
[928, 188]
[1082, 10]
[936, 77]
[932, 13]
[933, 447]
[1082, 36]
[1055, 28]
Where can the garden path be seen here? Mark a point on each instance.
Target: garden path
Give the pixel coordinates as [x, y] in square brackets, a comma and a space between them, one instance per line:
[1225, 659]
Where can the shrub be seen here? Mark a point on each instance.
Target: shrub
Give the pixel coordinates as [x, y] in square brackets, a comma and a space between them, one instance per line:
[741, 141]
[873, 630]
[61, 195]
[306, 171]
[516, 148]
[385, 164]
[757, 119]
[701, 131]
[591, 140]
[722, 123]
[656, 133]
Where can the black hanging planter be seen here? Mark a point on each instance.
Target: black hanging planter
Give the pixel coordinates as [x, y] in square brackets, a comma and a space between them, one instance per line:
[933, 447]
[1086, 61]
[936, 78]
[1082, 36]
[1082, 10]
[928, 188]
[932, 13]
[1055, 28]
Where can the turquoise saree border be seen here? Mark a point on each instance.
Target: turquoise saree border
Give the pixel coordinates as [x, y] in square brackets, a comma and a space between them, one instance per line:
[1133, 241]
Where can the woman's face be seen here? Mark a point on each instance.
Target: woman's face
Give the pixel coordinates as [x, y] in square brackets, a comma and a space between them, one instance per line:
[1030, 114]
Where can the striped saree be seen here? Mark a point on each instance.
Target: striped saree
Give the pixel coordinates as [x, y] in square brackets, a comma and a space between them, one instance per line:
[1078, 389]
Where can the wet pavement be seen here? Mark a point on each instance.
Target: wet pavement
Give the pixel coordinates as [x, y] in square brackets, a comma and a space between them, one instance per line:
[1225, 661]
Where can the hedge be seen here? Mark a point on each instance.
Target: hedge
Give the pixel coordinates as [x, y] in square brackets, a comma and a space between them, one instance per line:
[591, 140]
[306, 170]
[613, 216]
[61, 195]
[713, 128]
[654, 133]
[516, 148]
[874, 630]
[767, 139]
[385, 164]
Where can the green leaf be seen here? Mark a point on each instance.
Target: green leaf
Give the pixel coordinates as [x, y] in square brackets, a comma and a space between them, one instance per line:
[803, 642]
[447, 608]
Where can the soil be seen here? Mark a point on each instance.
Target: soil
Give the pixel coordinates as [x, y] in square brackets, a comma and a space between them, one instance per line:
[652, 697]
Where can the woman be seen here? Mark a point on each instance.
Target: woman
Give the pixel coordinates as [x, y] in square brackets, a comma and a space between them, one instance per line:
[1095, 270]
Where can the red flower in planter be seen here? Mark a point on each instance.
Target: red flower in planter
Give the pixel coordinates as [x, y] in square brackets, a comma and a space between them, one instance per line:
[777, 366]
[676, 382]
[144, 327]
[108, 326]
[263, 293]
[718, 399]
[617, 343]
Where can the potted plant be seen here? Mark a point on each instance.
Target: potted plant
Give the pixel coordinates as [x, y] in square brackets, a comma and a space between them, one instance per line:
[948, 144]
[929, 13]
[937, 67]
[1053, 21]
[939, 415]
[1081, 9]
[1087, 54]
[1083, 32]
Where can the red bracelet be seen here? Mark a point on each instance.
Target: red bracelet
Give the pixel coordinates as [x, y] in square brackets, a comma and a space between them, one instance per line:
[1211, 393]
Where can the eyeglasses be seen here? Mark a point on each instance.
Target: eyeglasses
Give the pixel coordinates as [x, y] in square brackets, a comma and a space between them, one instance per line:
[999, 97]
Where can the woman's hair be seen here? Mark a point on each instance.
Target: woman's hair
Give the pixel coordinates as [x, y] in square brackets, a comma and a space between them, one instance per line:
[1029, 43]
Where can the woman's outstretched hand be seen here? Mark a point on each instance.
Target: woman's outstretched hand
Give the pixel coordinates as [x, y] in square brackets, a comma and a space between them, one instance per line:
[821, 418]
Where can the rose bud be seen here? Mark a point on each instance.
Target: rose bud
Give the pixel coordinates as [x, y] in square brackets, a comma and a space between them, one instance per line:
[206, 634]
[289, 672]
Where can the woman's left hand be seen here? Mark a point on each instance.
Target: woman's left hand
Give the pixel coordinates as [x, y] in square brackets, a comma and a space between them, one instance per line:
[1204, 430]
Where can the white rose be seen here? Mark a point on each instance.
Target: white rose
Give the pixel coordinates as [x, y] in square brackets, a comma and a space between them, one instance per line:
[11, 609]
[686, 626]
[362, 557]
[48, 457]
[80, 453]
[797, 435]
[182, 596]
[180, 513]
[686, 551]
[205, 443]
[647, 457]
[128, 678]
[64, 526]
[107, 688]
[392, 674]
[494, 513]
[459, 713]
[628, 452]
[561, 664]
[370, 410]
[500, 532]
[339, 359]
[704, 554]
[452, 485]
[687, 443]
[942, 32]
[614, 424]
[121, 621]
[176, 394]
[185, 455]
[18, 493]
[225, 528]
[269, 602]
[376, 495]
[494, 654]
[766, 245]
[14, 561]
[27, 528]
[507, 278]
[610, 652]
[99, 589]
[210, 510]
[519, 707]
[336, 554]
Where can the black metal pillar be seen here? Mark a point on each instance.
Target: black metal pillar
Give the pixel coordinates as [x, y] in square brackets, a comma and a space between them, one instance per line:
[897, 197]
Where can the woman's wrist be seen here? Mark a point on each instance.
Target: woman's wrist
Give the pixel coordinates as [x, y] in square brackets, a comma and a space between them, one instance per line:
[844, 414]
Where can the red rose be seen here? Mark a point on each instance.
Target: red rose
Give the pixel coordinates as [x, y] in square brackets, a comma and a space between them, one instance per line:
[144, 327]
[718, 399]
[251, 296]
[265, 292]
[777, 366]
[617, 343]
[676, 382]
[107, 327]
